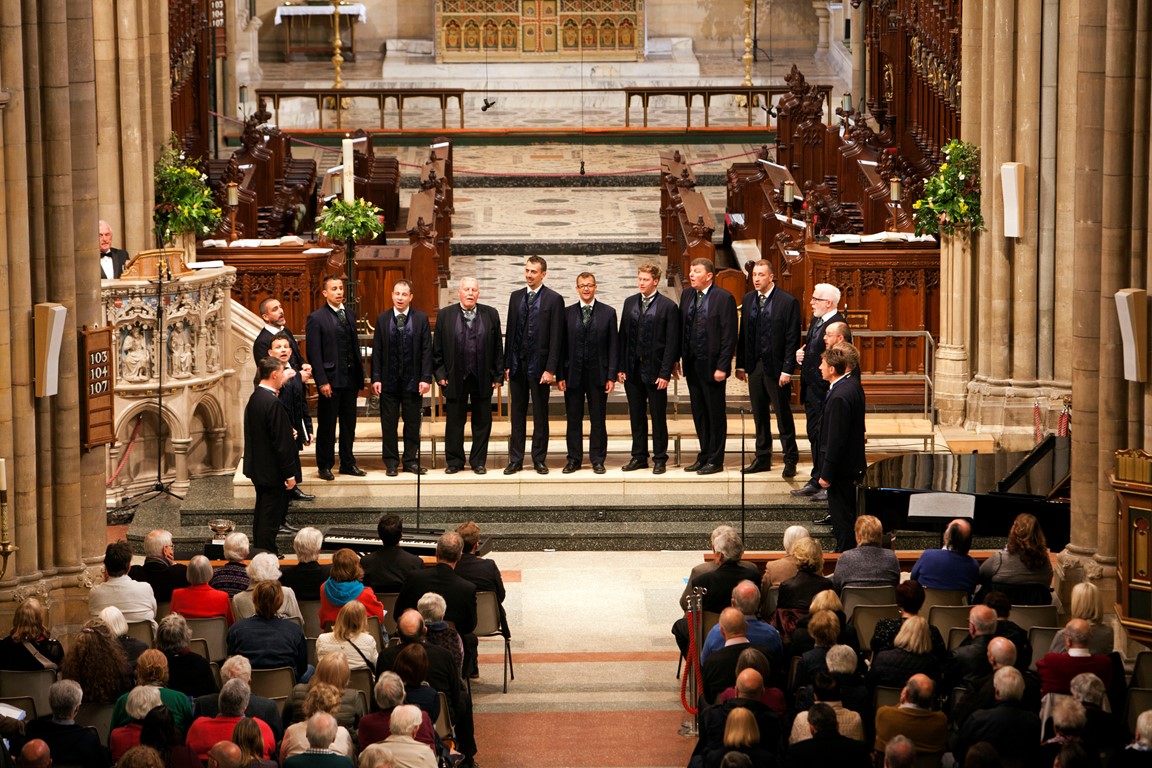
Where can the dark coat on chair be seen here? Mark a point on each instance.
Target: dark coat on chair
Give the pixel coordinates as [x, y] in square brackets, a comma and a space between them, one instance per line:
[445, 356]
[458, 593]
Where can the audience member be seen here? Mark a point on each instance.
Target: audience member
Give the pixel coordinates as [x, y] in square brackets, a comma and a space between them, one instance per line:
[1087, 605]
[267, 640]
[746, 598]
[1023, 569]
[485, 574]
[749, 691]
[823, 744]
[900, 752]
[141, 757]
[870, 564]
[1056, 670]
[981, 755]
[265, 567]
[35, 754]
[248, 737]
[1138, 754]
[406, 751]
[981, 693]
[797, 592]
[238, 668]
[719, 672]
[826, 600]
[331, 670]
[949, 567]
[350, 636]
[913, 717]
[459, 594]
[1003, 724]
[719, 578]
[411, 665]
[69, 742]
[160, 569]
[199, 600]
[1074, 755]
[321, 732]
[441, 633]
[389, 694]
[778, 571]
[754, 659]
[1005, 627]
[97, 662]
[827, 691]
[1104, 730]
[742, 734]
[911, 655]
[159, 732]
[823, 628]
[137, 704]
[135, 599]
[232, 577]
[307, 577]
[326, 699]
[1069, 721]
[224, 754]
[188, 672]
[846, 667]
[970, 660]
[909, 599]
[117, 625]
[345, 583]
[207, 731]
[386, 569]
[375, 756]
[152, 672]
[29, 646]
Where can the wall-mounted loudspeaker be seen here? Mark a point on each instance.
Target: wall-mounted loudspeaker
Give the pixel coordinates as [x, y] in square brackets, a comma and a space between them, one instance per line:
[1132, 311]
[1012, 182]
[48, 324]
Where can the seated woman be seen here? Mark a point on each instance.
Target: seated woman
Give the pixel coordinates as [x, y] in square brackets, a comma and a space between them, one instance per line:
[797, 592]
[824, 601]
[232, 577]
[350, 636]
[432, 607]
[411, 665]
[306, 577]
[267, 640]
[200, 600]
[1087, 605]
[159, 732]
[188, 672]
[843, 664]
[909, 599]
[389, 694]
[346, 583]
[29, 647]
[332, 670]
[248, 737]
[321, 697]
[741, 734]
[97, 662]
[118, 626]
[911, 655]
[773, 698]
[137, 704]
[824, 628]
[870, 564]
[152, 672]
[1023, 569]
[265, 567]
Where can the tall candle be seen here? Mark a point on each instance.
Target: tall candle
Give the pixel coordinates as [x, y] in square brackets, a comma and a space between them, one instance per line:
[3, 474]
[789, 192]
[846, 102]
[895, 190]
[349, 172]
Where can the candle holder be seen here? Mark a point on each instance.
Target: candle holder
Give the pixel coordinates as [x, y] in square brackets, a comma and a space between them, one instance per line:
[789, 196]
[895, 192]
[233, 203]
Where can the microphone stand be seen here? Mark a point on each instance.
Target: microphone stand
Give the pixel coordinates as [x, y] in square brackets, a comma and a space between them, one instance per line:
[743, 475]
[419, 466]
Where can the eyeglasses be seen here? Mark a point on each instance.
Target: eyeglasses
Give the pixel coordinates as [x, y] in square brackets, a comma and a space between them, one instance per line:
[815, 299]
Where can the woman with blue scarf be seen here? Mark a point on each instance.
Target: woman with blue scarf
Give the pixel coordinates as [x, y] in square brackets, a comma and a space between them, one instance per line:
[345, 584]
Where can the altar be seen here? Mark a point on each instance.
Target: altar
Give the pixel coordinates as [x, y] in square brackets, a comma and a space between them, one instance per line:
[539, 30]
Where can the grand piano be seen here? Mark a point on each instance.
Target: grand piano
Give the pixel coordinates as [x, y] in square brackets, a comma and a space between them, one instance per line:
[924, 491]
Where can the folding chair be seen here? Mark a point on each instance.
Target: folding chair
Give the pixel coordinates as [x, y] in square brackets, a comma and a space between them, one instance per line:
[1028, 616]
[144, 631]
[275, 684]
[944, 617]
[310, 610]
[33, 684]
[867, 617]
[488, 626]
[361, 680]
[388, 600]
[99, 716]
[852, 597]
[885, 696]
[1040, 639]
[1142, 672]
[214, 631]
[933, 597]
[956, 636]
[443, 725]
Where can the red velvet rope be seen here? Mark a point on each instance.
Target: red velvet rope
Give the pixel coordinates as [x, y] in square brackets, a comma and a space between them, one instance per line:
[691, 666]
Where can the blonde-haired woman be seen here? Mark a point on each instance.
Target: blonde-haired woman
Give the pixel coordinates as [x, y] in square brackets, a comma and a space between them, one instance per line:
[1087, 605]
[741, 734]
[798, 591]
[351, 637]
[910, 655]
[30, 647]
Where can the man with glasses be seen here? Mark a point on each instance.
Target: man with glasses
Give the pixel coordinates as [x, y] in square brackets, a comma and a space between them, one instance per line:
[813, 388]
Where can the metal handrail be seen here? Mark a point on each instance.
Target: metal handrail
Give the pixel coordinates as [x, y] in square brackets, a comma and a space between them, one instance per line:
[926, 377]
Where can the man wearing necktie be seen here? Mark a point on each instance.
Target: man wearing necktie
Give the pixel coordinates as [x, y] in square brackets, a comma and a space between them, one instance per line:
[533, 341]
[588, 371]
[709, 341]
[765, 358]
[842, 459]
[813, 387]
[112, 260]
[334, 352]
[401, 376]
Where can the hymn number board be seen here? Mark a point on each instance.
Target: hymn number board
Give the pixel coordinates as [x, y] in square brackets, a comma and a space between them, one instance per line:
[99, 413]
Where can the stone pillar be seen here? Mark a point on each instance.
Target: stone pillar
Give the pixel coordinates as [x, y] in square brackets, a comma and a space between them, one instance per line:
[822, 17]
[1046, 179]
[952, 371]
[1026, 150]
[180, 448]
[217, 439]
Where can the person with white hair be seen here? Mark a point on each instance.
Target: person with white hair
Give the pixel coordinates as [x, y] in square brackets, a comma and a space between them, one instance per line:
[778, 571]
[265, 567]
[200, 600]
[439, 632]
[206, 731]
[160, 569]
[188, 672]
[139, 702]
[1138, 754]
[239, 668]
[376, 756]
[728, 548]
[69, 742]
[114, 618]
[1002, 724]
[406, 751]
[746, 597]
[710, 565]
[320, 732]
[307, 576]
[232, 577]
[376, 726]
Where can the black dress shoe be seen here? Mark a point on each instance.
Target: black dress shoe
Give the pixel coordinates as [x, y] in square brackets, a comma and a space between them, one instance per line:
[806, 490]
[826, 520]
[480, 470]
[540, 467]
[710, 469]
[820, 495]
[789, 471]
[326, 474]
[694, 466]
[352, 470]
[634, 464]
[659, 468]
[598, 469]
[299, 495]
[415, 469]
[513, 467]
[758, 465]
[452, 470]
[570, 467]
[391, 471]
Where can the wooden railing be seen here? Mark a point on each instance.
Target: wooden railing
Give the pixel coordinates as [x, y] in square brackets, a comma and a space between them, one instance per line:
[336, 100]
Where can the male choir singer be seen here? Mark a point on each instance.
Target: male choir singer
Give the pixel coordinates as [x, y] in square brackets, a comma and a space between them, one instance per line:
[401, 376]
[270, 455]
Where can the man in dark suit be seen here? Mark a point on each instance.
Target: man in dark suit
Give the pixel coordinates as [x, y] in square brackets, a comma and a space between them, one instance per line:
[269, 455]
[813, 388]
[468, 363]
[534, 337]
[749, 690]
[112, 260]
[485, 574]
[827, 746]
[386, 570]
[272, 313]
[334, 351]
[649, 346]
[719, 671]
[1002, 724]
[401, 376]
[765, 358]
[458, 592]
[160, 568]
[588, 370]
[709, 340]
[842, 460]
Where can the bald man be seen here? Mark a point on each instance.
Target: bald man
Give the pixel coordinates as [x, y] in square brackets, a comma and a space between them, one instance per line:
[949, 567]
[970, 660]
[720, 670]
[35, 754]
[224, 754]
[1056, 670]
[746, 598]
[914, 718]
[749, 695]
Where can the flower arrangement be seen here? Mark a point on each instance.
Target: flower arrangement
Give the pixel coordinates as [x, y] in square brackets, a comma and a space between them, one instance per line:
[951, 199]
[184, 202]
[357, 220]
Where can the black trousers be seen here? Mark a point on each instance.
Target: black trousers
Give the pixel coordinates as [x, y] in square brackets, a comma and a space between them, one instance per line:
[475, 398]
[765, 391]
[269, 514]
[521, 390]
[341, 407]
[814, 411]
[707, 398]
[597, 398]
[842, 508]
[642, 399]
[393, 405]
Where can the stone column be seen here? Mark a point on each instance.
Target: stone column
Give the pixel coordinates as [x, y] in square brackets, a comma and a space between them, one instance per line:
[1046, 179]
[216, 442]
[822, 16]
[1026, 108]
[180, 448]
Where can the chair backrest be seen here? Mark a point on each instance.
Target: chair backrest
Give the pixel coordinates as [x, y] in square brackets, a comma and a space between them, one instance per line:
[216, 674]
[956, 636]
[142, 631]
[199, 646]
[388, 600]
[1139, 700]
[867, 617]
[770, 600]
[162, 610]
[855, 596]
[33, 684]
[1028, 616]
[311, 643]
[275, 684]
[487, 614]
[1142, 672]
[374, 630]
[944, 597]
[99, 716]
[1025, 594]
[710, 619]
[1040, 638]
[361, 680]
[443, 725]
[26, 703]
[885, 696]
[310, 610]
[215, 632]
[944, 617]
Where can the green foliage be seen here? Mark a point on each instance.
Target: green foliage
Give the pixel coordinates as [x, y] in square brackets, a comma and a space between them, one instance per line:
[184, 202]
[951, 199]
[358, 220]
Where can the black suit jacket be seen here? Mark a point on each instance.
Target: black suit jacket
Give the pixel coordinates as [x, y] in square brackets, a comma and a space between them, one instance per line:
[70, 744]
[719, 671]
[387, 569]
[829, 749]
[655, 360]
[549, 331]
[601, 334]
[458, 593]
[270, 455]
[162, 577]
[443, 674]
[321, 331]
[713, 719]
[783, 334]
[119, 259]
[421, 345]
[842, 431]
[813, 351]
[720, 328]
[444, 360]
